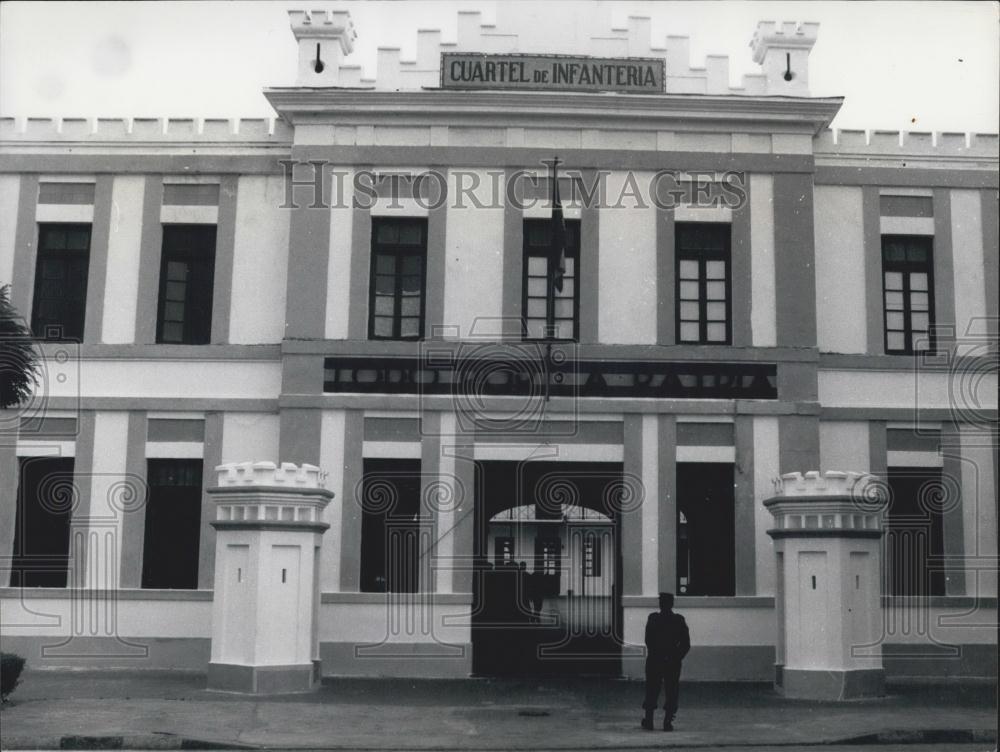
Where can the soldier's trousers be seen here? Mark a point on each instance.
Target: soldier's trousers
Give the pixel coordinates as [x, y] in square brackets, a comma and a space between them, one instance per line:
[665, 674]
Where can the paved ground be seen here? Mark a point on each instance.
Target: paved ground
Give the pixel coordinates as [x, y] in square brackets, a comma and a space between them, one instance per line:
[163, 710]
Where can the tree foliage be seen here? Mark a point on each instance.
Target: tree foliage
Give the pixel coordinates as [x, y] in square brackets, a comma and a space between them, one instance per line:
[18, 357]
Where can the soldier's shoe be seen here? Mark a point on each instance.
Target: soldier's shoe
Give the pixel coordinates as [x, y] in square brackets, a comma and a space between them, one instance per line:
[667, 725]
[647, 723]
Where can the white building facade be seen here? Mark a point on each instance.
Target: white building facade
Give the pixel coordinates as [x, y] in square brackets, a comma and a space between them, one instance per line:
[367, 285]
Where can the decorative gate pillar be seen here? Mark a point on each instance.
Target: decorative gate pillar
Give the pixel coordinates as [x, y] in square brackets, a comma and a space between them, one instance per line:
[264, 615]
[827, 539]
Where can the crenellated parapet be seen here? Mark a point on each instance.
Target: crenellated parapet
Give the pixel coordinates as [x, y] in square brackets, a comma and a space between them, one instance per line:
[522, 32]
[160, 130]
[903, 144]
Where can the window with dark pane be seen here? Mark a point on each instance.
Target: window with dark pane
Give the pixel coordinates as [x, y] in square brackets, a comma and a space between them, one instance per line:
[46, 494]
[548, 555]
[173, 524]
[703, 299]
[187, 278]
[60, 299]
[706, 529]
[908, 294]
[914, 537]
[591, 555]
[390, 526]
[503, 552]
[547, 312]
[397, 300]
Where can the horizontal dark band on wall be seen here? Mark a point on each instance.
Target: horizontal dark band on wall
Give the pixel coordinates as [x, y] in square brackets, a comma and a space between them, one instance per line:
[500, 157]
[988, 602]
[907, 177]
[191, 194]
[906, 206]
[910, 363]
[378, 348]
[908, 440]
[910, 414]
[194, 163]
[556, 405]
[392, 429]
[160, 352]
[563, 431]
[48, 428]
[66, 193]
[442, 599]
[682, 602]
[705, 434]
[14, 593]
[173, 429]
[165, 404]
[271, 525]
[238, 490]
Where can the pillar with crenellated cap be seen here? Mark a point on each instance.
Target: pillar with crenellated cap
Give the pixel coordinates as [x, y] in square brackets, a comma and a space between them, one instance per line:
[827, 539]
[269, 525]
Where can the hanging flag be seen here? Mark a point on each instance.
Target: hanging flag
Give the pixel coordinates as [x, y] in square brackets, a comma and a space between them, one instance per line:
[558, 247]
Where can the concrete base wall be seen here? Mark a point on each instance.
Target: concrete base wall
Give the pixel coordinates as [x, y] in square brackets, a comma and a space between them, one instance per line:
[916, 661]
[743, 663]
[262, 680]
[400, 659]
[135, 653]
[830, 685]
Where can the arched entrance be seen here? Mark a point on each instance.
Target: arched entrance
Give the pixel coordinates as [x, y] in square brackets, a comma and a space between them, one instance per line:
[548, 563]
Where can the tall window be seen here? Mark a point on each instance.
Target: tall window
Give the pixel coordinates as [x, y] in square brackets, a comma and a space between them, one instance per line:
[706, 529]
[398, 278]
[390, 526]
[549, 312]
[704, 298]
[908, 292]
[187, 276]
[60, 300]
[45, 496]
[173, 524]
[914, 541]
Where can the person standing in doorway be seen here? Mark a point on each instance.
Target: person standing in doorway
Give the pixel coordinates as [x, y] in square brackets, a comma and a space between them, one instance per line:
[667, 642]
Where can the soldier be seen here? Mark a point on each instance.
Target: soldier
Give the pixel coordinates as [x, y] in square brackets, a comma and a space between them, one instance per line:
[667, 642]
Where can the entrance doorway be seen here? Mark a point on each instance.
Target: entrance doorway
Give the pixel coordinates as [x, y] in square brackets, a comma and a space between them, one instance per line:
[548, 563]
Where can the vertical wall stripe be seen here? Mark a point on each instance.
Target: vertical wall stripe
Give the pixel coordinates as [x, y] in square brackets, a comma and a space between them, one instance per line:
[794, 260]
[878, 454]
[991, 251]
[765, 470]
[665, 283]
[742, 274]
[212, 458]
[150, 248]
[350, 539]
[667, 519]
[308, 256]
[465, 531]
[10, 193]
[338, 273]
[134, 522]
[872, 219]
[746, 555]
[299, 438]
[121, 284]
[762, 293]
[225, 249]
[361, 248]
[332, 462]
[631, 519]
[83, 473]
[798, 443]
[430, 477]
[953, 510]
[97, 274]
[9, 481]
[588, 279]
[944, 270]
[25, 247]
[437, 249]
[651, 505]
[513, 261]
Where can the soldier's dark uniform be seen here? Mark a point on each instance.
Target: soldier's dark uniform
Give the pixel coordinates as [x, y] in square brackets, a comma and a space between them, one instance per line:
[667, 642]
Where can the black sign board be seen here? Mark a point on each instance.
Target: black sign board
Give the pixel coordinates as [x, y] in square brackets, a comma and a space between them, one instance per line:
[631, 75]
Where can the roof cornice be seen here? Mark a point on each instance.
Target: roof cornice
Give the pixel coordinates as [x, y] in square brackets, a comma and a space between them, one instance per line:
[513, 108]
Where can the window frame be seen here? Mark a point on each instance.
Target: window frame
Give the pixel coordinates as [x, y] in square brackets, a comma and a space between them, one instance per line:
[905, 268]
[184, 255]
[702, 257]
[399, 251]
[42, 254]
[572, 251]
[161, 503]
